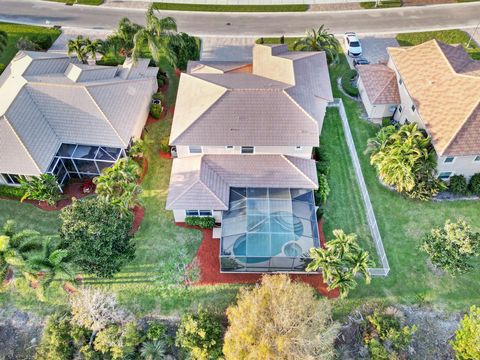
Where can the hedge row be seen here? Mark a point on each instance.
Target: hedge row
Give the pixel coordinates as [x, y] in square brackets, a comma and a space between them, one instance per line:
[458, 185]
[11, 191]
[347, 80]
[205, 222]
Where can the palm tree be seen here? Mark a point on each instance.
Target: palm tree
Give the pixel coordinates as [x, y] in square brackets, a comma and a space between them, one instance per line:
[77, 46]
[93, 47]
[153, 350]
[319, 40]
[341, 261]
[3, 40]
[52, 262]
[15, 247]
[158, 35]
[121, 42]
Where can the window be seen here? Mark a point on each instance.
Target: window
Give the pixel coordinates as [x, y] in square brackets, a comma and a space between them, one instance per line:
[198, 212]
[248, 149]
[413, 107]
[449, 159]
[11, 179]
[445, 175]
[298, 147]
[477, 158]
[229, 147]
[400, 108]
[195, 149]
[400, 81]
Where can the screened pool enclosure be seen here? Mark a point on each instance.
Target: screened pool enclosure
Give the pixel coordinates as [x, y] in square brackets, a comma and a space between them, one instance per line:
[267, 229]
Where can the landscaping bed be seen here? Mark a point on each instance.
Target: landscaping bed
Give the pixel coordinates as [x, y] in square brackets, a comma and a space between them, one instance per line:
[230, 8]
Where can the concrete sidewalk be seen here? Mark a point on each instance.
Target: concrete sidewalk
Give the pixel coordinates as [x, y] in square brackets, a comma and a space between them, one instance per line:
[227, 48]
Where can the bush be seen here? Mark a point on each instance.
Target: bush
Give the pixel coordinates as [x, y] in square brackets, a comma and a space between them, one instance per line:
[12, 191]
[156, 330]
[156, 110]
[205, 222]
[320, 212]
[323, 168]
[323, 190]
[118, 341]
[280, 319]
[158, 96]
[474, 184]
[347, 85]
[57, 342]
[201, 335]
[164, 144]
[467, 337]
[458, 185]
[97, 235]
[452, 247]
[41, 188]
[2, 68]
[24, 43]
[320, 154]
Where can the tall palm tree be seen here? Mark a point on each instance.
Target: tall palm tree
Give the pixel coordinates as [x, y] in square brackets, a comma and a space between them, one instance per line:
[92, 47]
[319, 40]
[52, 262]
[3, 40]
[341, 260]
[121, 41]
[158, 34]
[15, 247]
[77, 46]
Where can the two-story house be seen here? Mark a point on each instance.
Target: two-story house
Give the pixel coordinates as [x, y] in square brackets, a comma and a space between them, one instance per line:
[243, 134]
[436, 86]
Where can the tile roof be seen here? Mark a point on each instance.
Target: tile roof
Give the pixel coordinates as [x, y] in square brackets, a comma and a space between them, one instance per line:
[216, 106]
[380, 83]
[204, 181]
[444, 83]
[47, 99]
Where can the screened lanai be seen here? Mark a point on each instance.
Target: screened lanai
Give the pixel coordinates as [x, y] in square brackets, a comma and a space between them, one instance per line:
[268, 229]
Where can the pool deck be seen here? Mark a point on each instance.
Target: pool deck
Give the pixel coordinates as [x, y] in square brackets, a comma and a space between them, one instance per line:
[209, 263]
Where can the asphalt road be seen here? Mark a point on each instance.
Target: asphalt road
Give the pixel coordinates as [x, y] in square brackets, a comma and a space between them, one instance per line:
[261, 24]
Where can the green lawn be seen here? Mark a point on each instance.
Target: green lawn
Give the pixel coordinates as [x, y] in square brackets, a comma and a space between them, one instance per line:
[447, 36]
[80, 2]
[402, 223]
[230, 8]
[382, 5]
[34, 33]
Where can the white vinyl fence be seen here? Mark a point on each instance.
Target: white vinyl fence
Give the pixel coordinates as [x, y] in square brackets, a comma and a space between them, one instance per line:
[372, 221]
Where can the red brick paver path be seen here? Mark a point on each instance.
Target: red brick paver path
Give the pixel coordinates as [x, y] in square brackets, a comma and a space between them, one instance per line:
[208, 260]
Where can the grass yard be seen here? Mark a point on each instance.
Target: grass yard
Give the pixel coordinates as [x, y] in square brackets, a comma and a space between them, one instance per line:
[230, 8]
[447, 36]
[402, 223]
[382, 5]
[80, 2]
[34, 33]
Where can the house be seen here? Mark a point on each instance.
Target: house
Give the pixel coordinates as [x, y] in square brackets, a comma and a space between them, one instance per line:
[69, 119]
[439, 89]
[243, 134]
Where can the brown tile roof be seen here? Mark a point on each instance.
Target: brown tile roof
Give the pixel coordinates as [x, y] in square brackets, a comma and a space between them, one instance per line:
[380, 83]
[204, 181]
[445, 87]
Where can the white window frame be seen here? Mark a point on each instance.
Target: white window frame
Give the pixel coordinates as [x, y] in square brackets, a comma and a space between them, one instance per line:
[194, 152]
[449, 176]
[248, 153]
[210, 213]
[449, 157]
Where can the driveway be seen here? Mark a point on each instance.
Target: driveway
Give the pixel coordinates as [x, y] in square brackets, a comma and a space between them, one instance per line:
[227, 48]
[60, 45]
[374, 47]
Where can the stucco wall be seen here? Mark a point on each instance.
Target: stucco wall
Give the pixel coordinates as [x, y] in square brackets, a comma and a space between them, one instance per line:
[305, 152]
[179, 215]
[374, 112]
[462, 165]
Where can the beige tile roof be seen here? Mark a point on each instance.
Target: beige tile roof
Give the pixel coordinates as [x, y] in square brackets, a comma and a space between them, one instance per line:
[445, 86]
[223, 107]
[380, 83]
[214, 67]
[204, 181]
[47, 99]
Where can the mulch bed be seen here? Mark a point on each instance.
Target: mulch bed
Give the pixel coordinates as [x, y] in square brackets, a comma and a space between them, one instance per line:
[164, 155]
[207, 257]
[138, 215]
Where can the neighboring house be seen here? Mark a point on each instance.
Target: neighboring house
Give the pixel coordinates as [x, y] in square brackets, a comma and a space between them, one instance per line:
[439, 89]
[62, 117]
[243, 134]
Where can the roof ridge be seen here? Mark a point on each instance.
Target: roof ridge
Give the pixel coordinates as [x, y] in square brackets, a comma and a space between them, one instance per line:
[287, 158]
[387, 83]
[300, 107]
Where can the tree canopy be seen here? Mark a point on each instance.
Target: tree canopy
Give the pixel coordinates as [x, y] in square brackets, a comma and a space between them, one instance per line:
[319, 40]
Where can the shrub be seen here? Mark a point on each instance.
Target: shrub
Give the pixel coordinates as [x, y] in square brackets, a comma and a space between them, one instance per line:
[156, 110]
[452, 247]
[474, 184]
[117, 341]
[323, 168]
[97, 235]
[386, 121]
[458, 185]
[280, 319]
[164, 144]
[205, 222]
[201, 335]
[11, 191]
[158, 96]
[156, 330]
[41, 188]
[467, 337]
[153, 350]
[57, 342]
[24, 43]
[320, 212]
[323, 190]
[321, 154]
[2, 68]
[347, 80]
